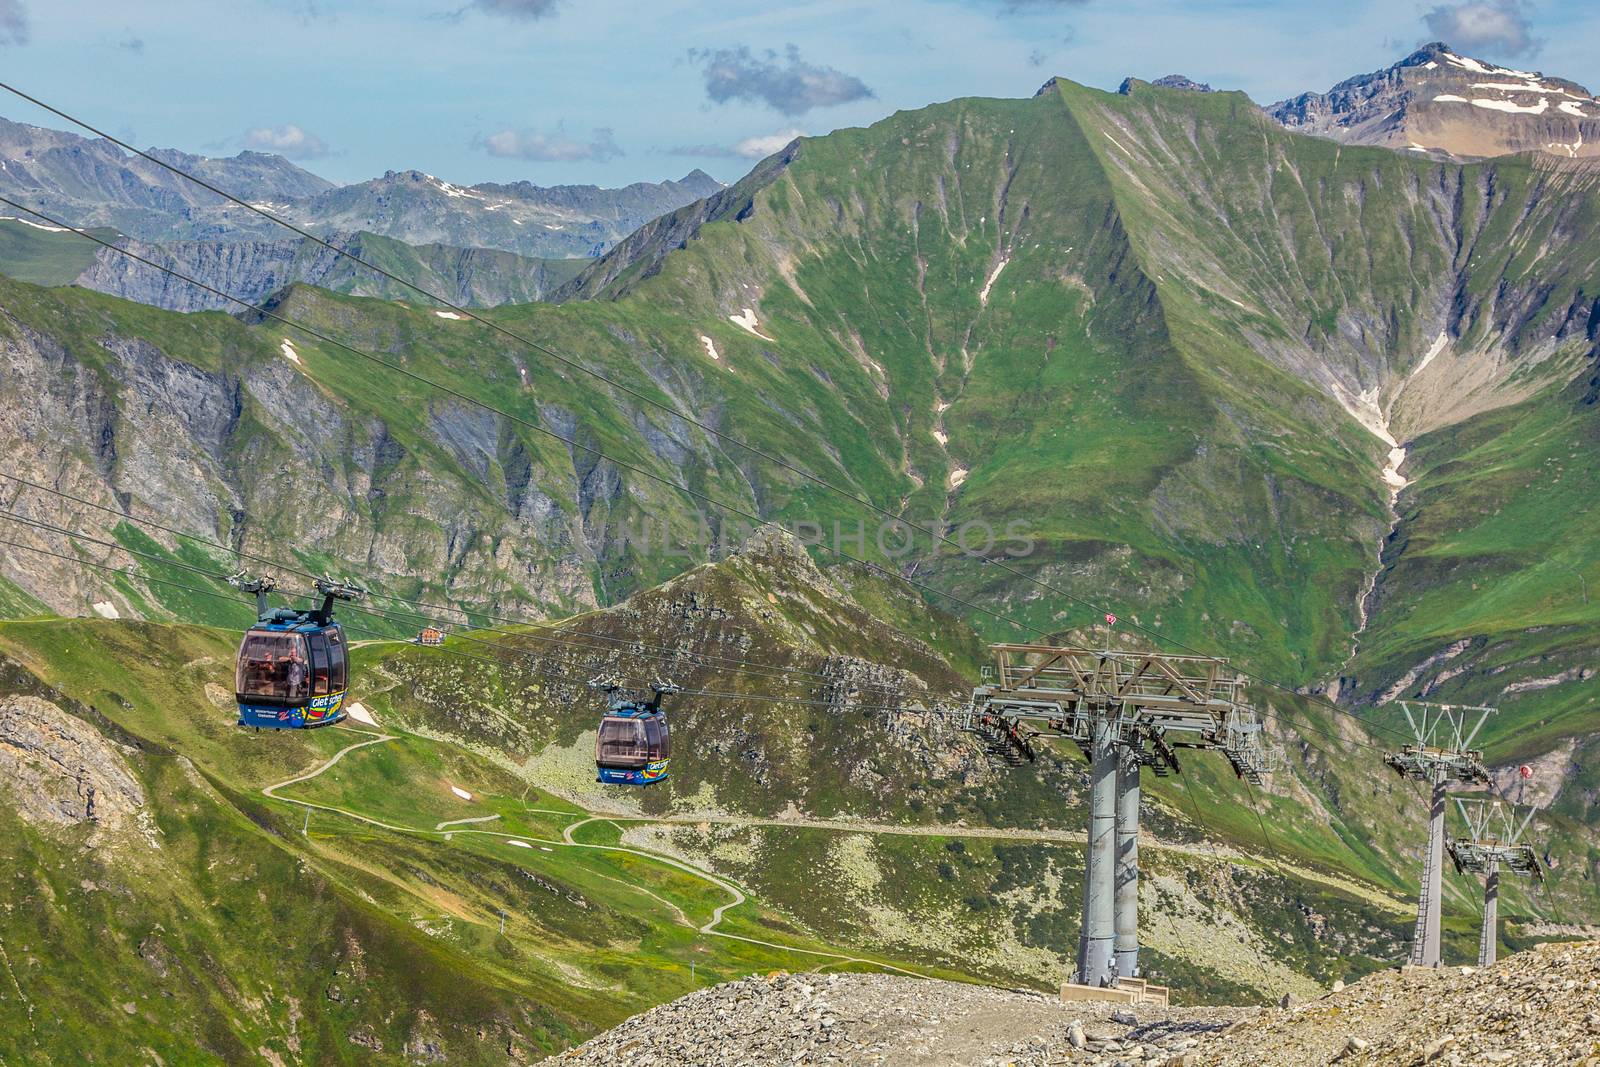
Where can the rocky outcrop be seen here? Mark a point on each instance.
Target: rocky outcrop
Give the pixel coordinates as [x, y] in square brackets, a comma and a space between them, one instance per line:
[1169, 81]
[242, 451]
[58, 770]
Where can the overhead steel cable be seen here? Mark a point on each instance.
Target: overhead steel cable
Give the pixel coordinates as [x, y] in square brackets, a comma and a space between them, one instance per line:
[203, 592]
[223, 596]
[731, 509]
[78, 535]
[714, 503]
[734, 664]
[393, 616]
[534, 345]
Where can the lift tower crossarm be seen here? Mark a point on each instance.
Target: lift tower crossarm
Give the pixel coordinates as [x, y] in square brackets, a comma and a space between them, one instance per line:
[1441, 752]
[1494, 838]
[1126, 710]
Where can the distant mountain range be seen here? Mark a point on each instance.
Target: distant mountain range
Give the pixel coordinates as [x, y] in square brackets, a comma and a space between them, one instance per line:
[1438, 100]
[95, 183]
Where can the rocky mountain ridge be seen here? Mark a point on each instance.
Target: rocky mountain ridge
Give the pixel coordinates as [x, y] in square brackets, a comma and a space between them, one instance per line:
[254, 270]
[92, 182]
[1436, 100]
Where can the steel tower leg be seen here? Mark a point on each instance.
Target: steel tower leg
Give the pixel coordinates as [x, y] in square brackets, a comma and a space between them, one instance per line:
[1488, 940]
[1127, 865]
[1096, 942]
[1425, 939]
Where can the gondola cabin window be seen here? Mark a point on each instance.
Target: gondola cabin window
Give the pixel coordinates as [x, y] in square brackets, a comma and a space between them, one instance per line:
[623, 742]
[273, 666]
[657, 739]
[337, 662]
[319, 665]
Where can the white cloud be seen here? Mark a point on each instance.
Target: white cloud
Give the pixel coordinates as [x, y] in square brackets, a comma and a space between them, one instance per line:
[1497, 27]
[287, 140]
[763, 146]
[554, 147]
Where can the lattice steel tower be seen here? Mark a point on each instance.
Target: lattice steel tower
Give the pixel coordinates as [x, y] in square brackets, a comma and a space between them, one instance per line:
[1126, 711]
[1440, 754]
[1494, 838]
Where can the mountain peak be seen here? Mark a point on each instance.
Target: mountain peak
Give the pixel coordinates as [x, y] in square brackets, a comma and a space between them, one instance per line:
[1437, 100]
[1430, 51]
[1168, 81]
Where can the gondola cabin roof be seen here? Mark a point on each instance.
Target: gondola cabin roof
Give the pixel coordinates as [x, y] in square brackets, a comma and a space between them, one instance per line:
[629, 711]
[286, 621]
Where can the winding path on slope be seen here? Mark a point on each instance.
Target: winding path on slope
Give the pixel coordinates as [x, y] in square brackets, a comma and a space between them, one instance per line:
[709, 928]
[1070, 837]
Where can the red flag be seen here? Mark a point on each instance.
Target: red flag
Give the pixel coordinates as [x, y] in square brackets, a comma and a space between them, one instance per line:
[1111, 620]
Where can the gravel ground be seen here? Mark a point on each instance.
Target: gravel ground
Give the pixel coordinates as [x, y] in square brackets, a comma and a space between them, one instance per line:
[1539, 1008]
[881, 1019]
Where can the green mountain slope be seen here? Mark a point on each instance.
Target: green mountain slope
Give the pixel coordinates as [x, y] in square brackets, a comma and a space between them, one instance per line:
[45, 256]
[1173, 356]
[158, 896]
[1145, 329]
[374, 936]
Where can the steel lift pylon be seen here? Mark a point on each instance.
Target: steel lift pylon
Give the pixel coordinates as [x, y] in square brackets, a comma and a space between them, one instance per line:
[1126, 710]
[1494, 839]
[1440, 753]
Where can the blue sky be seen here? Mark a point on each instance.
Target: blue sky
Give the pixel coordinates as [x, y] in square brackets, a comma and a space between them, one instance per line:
[610, 91]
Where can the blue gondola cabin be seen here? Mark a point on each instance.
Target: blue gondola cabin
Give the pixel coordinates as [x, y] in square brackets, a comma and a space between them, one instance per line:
[633, 745]
[292, 673]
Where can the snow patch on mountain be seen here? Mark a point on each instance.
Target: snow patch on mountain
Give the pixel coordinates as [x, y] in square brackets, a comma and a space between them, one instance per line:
[746, 320]
[37, 225]
[1512, 106]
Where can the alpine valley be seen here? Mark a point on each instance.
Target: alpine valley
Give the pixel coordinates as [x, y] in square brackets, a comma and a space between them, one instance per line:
[1312, 387]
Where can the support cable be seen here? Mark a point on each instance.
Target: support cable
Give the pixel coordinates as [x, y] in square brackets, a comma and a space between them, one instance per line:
[388, 616]
[732, 509]
[934, 535]
[663, 652]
